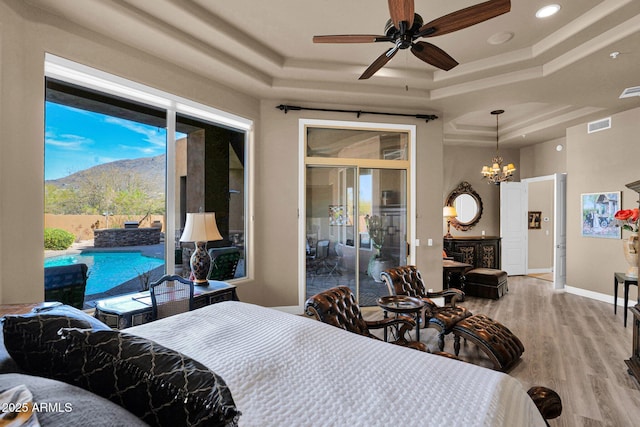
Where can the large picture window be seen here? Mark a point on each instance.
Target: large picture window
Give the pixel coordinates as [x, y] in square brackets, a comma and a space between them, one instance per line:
[123, 165]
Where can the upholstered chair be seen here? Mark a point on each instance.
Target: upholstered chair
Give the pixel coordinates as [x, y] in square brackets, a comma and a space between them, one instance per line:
[406, 280]
[338, 307]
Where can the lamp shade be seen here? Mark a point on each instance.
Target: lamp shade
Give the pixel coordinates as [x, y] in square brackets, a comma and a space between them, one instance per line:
[201, 227]
[449, 212]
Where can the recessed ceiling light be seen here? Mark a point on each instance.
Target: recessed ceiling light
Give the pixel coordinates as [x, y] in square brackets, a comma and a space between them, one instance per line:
[547, 11]
[559, 147]
[499, 38]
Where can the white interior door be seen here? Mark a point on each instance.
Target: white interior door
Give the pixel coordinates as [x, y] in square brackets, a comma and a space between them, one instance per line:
[560, 232]
[513, 227]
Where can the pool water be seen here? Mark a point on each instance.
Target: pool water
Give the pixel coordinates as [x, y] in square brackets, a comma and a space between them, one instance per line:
[107, 269]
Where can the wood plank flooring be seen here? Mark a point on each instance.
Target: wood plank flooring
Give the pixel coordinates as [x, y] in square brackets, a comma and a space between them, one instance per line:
[574, 345]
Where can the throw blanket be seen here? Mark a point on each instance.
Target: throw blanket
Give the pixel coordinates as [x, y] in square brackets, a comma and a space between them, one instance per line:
[287, 370]
[16, 408]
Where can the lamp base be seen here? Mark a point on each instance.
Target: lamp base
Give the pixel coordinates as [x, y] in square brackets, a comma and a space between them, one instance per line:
[200, 264]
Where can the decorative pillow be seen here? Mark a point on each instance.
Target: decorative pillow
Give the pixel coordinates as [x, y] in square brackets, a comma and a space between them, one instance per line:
[62, 404]
[161, 386]
[7, 364]
[33, 341]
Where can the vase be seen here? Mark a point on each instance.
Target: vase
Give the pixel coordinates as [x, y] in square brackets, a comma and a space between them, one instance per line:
[631, 254]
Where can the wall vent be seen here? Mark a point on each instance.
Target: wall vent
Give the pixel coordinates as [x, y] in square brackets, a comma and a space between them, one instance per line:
[599, 125]
[630, 91]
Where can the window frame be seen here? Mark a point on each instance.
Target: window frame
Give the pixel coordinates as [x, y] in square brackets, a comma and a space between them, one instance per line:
[92, 78]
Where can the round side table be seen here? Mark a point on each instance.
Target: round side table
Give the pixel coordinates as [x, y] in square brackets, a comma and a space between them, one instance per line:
[402, 304]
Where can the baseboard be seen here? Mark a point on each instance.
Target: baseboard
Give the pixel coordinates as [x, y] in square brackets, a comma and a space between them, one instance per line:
[539, 270]
[593, 295]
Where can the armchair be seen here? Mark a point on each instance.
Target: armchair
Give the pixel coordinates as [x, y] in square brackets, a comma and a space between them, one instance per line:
[316, 259]
[66, 284]
[224, 262]
[406, 280]
[338, 307]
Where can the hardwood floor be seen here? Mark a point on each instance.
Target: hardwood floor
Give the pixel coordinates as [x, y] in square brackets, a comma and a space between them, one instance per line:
[574, 345]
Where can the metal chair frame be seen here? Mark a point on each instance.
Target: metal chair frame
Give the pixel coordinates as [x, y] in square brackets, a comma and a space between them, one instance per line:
[163, 294]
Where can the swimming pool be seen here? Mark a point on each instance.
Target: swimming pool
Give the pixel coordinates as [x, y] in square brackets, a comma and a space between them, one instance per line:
[107, 269]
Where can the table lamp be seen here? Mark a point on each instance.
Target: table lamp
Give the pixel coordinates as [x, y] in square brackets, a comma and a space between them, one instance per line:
[449, 212]
[200, 228]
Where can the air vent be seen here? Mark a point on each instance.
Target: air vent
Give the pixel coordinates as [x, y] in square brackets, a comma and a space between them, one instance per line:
[599, 125]
[630, 91]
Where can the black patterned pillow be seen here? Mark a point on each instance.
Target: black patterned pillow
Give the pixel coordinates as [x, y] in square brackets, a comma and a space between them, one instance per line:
[161, 386]
[33, 341]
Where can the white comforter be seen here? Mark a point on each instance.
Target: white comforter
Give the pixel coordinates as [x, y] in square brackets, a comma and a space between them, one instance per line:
[285, 370]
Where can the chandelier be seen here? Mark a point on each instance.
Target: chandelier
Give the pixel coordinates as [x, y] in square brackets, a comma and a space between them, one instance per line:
[496, 173]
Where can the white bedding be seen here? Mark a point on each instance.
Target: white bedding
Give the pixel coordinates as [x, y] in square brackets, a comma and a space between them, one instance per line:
[287, 370]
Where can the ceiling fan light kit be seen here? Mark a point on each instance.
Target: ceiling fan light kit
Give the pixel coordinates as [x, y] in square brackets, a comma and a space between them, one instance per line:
[405, 27]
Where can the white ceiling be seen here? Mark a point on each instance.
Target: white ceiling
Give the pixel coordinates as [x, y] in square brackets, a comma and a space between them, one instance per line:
[554, 73]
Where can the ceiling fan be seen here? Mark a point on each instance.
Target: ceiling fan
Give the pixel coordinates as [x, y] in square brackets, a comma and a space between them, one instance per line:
[406, 26]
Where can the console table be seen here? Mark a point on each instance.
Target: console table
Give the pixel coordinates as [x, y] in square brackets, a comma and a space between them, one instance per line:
[135, 309]
[479, 251]
[633, 363]
[628, 281]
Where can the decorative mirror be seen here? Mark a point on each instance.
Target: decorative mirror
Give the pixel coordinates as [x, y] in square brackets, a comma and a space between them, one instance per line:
[468, 205]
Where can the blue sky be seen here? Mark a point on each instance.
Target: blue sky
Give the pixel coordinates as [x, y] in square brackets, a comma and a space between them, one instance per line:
[78, 139]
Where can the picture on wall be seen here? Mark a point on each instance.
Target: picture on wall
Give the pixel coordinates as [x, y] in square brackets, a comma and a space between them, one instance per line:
[338, 215]
[597, 210]
[534, 219]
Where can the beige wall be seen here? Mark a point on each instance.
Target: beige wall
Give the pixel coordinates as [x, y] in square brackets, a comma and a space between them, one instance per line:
[278, 179]
[540, 252]
[543, 159]
[25, 35]
[600, 162]
[465, 164]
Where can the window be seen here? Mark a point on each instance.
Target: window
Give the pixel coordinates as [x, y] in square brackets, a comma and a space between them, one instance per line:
[124, 163]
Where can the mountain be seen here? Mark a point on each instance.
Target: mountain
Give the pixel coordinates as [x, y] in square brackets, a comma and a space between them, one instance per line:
[149, 170]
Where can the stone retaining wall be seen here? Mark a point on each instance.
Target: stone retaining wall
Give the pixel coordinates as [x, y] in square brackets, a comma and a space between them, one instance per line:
[114, 237]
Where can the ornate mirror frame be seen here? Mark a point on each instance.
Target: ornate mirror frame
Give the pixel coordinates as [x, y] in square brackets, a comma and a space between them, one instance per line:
[465, 188]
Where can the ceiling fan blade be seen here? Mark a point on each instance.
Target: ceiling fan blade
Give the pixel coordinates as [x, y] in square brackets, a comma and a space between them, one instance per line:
[351, 38]
[401, 10]
[433, 55]
[464, 18]
[379, 63]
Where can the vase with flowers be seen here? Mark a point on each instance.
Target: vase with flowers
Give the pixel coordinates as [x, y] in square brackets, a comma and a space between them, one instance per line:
[377, 262]
[629, 219]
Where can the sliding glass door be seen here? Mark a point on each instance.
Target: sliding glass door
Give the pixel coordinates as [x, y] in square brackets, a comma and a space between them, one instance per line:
[356, 222]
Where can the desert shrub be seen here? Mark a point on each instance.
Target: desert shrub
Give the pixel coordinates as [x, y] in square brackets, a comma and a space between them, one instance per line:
[57, 239]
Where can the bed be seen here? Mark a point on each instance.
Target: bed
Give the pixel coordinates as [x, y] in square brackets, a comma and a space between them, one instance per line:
[288, 370]
[292, 370]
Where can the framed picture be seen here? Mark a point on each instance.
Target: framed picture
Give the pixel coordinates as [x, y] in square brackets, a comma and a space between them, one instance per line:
[597, 210]
[534, 219]
[338, 215]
